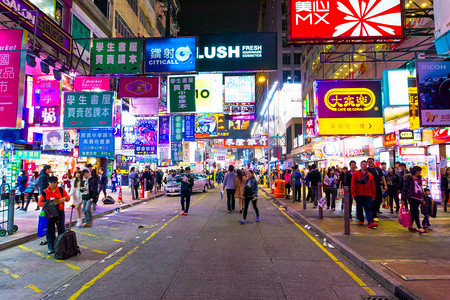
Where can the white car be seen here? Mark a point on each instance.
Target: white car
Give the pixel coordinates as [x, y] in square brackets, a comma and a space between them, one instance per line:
[173, 186]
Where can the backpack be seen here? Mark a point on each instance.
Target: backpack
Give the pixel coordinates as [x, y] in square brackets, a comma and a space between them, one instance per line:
[51, 210]
[108, 200]
[248, 192]
[66, 243]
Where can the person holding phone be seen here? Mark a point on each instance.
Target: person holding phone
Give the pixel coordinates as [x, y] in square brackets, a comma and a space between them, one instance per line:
[187, 182]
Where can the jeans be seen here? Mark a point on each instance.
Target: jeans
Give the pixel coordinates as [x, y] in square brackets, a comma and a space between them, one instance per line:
[247, 202]
[414, 205]
[288, 190]
[310, 197]
[331, 197]
[364, 202]
[102, 188]
[136, 191]
[59, 222]
[297, 192]
[393, 196]
[29, 199]
[87, 210]
[185, 197]
[230, 199]
[426, 221]
[315, 196]
[113, 187]
[376, 203]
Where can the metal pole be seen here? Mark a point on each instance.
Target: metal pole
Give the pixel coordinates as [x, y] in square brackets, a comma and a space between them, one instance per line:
[319, 189]
[11, 202]
[145, 187]
[346, 211]
[304, 194]
[132, 189]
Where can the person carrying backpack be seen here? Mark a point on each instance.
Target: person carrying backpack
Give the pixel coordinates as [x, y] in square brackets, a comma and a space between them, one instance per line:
[52, 200]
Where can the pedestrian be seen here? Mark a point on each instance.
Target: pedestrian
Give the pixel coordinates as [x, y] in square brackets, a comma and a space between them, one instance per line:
[314, 177]
[97, 182]
[329, 186]
[445, 187]
[402, 171]
[134, 183]
[340, 183]
[380, 184]
[347, 182]
[67, 178]
[228, 184]
[146, 179]
[44, 175]
[75, 194]
[187, 182]
[364, 191]
[384, 169]
[89, 192]
[114, 181]
[287, 183]
[426, 209]
[159, 178]
[392, 184]
[309, 196]
[239, 185]
[32, 190]
[103, 182]
[21, 186]
[56, 195]
[298, 184]
[413, 191]
[250, 194]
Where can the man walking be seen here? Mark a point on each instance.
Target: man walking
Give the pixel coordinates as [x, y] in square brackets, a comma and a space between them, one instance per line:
[314, 177]
[347, 181]
[402, 171]
[298, 184]
[134, 183]
[364, 191]
[103, 182]
[229, 185]
[187, 182]
[379, 179]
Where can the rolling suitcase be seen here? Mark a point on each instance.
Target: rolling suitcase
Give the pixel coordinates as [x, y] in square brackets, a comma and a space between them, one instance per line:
[66, 244]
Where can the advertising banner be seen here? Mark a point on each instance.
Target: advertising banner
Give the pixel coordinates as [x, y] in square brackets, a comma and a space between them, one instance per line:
[434, 92]
[395, 87]
[186, 152]
[46, 91]
[96, 143]
[89, 83]
[173, 55]
[46, 116]
[406, 137]
[147, 136]
[30, 167]
[239, 89]
[205, 125]
[349, 107]
[12, 71]
[133, 87]
[262, 141]
[414, 119]
[164, 126]
[189, 128]
[239, 109]
[57, 140]
[233, 129]
[25, 154]
[118, 117]
[176, 128]
[181, 94]
[89, 109]
[412, 150]
[209, 93]
[237, 52]
[310, 130]
[177, 152]
[38, 22]
[441, 17]
[143, 106]
[116, 56]
[129, 137]
[390, 140]
[312, 21]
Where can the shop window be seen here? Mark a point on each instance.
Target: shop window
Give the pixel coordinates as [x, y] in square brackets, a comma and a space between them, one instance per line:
[286, 58]
[81, 33]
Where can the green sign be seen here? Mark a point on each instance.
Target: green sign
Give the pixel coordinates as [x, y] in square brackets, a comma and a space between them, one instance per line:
[89, 109]
[177, 152]
[116, 56]
[20, 154]
[12, 170]
[176, 128]
[182, 94]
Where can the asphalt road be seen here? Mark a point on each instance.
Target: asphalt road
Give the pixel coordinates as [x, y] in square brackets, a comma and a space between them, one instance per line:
[205, 255]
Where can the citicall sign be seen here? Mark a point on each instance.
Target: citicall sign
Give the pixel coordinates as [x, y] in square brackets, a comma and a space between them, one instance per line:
[325, 20]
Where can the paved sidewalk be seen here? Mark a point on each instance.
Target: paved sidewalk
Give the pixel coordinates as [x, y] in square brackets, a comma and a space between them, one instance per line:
[28, 221]
[419, 262]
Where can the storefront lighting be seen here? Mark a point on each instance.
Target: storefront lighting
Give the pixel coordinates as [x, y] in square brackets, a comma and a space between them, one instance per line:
[261, 79]
[31, 61]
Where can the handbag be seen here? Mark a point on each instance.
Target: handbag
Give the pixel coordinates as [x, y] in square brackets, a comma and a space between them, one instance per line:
[42, 225]
[248, 192]
[404, 218]
[29, 189]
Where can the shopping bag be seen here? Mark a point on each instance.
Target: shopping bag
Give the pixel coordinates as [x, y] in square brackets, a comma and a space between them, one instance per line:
[42, 225]
[340, 193]
[322, 202]
[221, 194]
[404, 218]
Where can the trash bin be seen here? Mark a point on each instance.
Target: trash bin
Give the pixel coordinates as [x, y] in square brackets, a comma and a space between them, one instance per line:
[279, 188]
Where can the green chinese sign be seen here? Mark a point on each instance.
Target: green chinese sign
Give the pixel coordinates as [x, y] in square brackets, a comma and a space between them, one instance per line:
[177, 152]
[176, 128]
[88, 109]
[116, 56]
[28, 154]
[182, 94]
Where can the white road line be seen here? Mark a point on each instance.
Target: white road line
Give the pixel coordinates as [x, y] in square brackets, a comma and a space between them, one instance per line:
[111, 255]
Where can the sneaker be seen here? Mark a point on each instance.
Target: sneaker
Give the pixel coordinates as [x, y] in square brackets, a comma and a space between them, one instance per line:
[79, 223]
[376, 220]
[258, 218]
[240, 211]
[360, 223]
[373, 225]
[50, 251]
[242, 221]
[333, 209]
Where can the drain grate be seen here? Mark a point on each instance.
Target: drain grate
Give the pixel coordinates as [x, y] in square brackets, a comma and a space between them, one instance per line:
[374, 297]
[404, 293]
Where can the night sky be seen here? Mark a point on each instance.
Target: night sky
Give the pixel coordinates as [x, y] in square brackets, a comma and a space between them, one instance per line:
[218, 16]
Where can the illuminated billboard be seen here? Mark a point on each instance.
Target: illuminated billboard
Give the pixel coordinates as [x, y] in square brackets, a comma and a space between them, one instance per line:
[239, 89]
[209, 93]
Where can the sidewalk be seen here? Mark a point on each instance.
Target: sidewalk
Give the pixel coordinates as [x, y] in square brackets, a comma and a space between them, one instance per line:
[391, 254]
[28, 221]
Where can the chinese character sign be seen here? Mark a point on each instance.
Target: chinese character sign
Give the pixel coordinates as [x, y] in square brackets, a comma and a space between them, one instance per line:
[240, 89]
[96, 143]
[116, 56]
[164, 130]
[135, 87]
[46, 116]
[89, 109]
[310, 127]
[46, 91]
[25, 154]
[349, 107]
[262, 141]
[177, 152]
[181, 94]
[146, 136]
[312, 20]
[170, 55]
[176, 128]
[11, 75]
[189, 128]
[89, 83]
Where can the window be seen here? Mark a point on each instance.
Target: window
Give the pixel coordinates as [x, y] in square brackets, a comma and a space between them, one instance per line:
[284, 7]
[284, 25]
[146, 23]
[152, 3]
[160, 27]
[297, 58]
[122, 28]
[286, 58]
[134, 5]
[284, 41]
[297, 76]
[103, 6]
[286, 76]
[81, 33]
[289, 139]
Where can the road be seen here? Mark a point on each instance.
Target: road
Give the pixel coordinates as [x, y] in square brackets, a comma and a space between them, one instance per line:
[205, 255]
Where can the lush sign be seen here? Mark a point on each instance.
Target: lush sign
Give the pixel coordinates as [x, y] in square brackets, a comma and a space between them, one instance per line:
[89, 109]
[181, 94]
[116, 56]
[96, 143]
[349, 107]
[133, 87]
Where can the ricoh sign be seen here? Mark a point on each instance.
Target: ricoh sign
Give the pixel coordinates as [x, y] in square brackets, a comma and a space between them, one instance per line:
[237, 52]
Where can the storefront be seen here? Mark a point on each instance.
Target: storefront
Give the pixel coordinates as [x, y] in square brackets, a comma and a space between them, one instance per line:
[357, 149]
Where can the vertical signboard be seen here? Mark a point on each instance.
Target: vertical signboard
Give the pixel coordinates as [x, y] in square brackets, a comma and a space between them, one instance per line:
[176, 128]
[209, 93]
[177, 152]
[116, 56]
[12, 77]
[414, 119]
[189, 128]
[164, 130]
[146, 136]
[46, 91]
[96, 143]
[129, 137]
[181, 94]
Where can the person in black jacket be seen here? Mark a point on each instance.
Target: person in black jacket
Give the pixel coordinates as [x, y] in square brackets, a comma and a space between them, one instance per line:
[44, 175]
[146, 179]
[97, 181]
[392, 185]
[187, 182]
[103, 182]
[445, 187]
[314, 177]
[89, 192]
[401, 179]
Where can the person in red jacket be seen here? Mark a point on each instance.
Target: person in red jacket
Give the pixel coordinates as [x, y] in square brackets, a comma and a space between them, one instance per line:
[53, 193]
[364, 192]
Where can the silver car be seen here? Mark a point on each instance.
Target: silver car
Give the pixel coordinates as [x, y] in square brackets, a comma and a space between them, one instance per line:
[173, 186]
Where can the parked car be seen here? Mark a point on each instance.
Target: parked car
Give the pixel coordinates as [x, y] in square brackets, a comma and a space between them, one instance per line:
[173, 186]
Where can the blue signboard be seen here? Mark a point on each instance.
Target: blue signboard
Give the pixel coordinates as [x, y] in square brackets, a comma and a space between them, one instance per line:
[189, 128]
[170, 55]
[96, 143]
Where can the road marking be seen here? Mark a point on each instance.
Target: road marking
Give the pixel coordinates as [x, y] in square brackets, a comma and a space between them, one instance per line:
[109, 227]
[82, 247]
[98, 251]
[138, 236]
[8, 272]
[120, 241]
[138, 218]
[33, 287]
[120, 260]
[46, 256]
[73, 267]
[88, 234]
[334, 258]
[111, 255]
[116, 221]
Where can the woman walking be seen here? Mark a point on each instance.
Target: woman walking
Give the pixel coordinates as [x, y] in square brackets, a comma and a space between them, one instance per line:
[445, 187]
[329, 183]
[21, 187]
[239, 184]
[287, 183]
[250, 194]
[413, 191]
[32, 190]
[75, 194]
[392, 184]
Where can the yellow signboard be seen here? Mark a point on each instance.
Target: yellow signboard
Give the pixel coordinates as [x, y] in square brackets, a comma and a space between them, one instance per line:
[350, 126]
[414, 118]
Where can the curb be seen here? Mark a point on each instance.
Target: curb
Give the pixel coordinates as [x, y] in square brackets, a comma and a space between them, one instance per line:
[389, 283]
[34, 236]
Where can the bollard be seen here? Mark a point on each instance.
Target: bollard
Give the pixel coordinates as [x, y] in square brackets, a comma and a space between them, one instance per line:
[145, 188]
[347, 210]
[11, 203]
[132, 190]
[319, 189]
[304, 194]
[294, 193]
